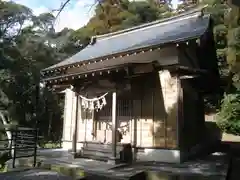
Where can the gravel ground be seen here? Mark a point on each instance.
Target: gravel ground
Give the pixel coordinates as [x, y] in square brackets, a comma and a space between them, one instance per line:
[34, 174]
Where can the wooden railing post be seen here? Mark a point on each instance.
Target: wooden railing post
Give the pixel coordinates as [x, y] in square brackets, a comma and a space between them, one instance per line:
[35, 148]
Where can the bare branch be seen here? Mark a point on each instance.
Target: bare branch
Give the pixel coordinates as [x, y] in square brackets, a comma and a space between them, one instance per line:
[62, 7]
[99, 2]
[93, 6]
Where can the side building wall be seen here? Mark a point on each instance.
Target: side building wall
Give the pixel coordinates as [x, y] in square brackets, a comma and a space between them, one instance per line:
[192, 130]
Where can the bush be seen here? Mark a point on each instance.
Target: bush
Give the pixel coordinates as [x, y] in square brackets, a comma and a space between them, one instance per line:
[4, 157]
[228, 118]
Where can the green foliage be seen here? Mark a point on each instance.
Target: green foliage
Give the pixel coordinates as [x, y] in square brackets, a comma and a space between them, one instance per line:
[228, 119]
[24, 51]
[226, 32]
[110, 17]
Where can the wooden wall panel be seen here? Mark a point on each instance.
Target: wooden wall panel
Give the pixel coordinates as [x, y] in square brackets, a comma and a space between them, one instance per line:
[154, 108]
[166, 122]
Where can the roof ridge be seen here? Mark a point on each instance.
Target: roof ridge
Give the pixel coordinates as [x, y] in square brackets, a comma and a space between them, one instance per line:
[192, 11]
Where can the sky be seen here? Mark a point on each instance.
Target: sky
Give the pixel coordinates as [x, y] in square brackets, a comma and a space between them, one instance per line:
[75, 15]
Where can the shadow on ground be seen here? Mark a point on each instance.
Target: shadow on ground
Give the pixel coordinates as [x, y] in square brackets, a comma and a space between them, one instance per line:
[34, 174]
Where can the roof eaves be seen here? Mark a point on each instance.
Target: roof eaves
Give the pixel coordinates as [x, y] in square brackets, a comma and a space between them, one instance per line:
[188, 13]
[122, 54]
[87, 72]
[112, 35]
[126, 53]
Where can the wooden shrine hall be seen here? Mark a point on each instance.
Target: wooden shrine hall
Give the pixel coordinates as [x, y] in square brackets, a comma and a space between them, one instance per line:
[142, 86]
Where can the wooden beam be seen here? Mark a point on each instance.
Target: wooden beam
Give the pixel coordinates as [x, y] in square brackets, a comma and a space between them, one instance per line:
[86, 74]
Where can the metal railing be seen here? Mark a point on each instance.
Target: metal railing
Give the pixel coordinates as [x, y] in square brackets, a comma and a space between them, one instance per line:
[22, 144]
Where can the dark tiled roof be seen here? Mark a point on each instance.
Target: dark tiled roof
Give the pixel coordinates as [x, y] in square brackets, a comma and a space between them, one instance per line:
[175, 29]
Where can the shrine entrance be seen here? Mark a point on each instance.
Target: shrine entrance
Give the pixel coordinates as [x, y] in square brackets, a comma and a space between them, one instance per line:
[95, 123]
[87, 113]
[103, 122]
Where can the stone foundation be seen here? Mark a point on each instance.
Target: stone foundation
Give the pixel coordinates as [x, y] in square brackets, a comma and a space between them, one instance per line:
[159, 155]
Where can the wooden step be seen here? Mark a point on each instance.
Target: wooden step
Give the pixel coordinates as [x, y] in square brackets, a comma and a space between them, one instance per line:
[97, 158]
[98, 151]
[101, 153]
[101, 146]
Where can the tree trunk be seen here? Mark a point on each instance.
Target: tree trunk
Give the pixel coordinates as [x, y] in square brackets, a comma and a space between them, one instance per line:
[229, 82]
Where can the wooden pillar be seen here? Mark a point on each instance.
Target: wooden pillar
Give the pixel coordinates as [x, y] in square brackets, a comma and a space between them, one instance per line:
[180, 116]
[114, 125]
[94, 125]
[67, 125]
[75, 133]
[134, 134]
[134, 120]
